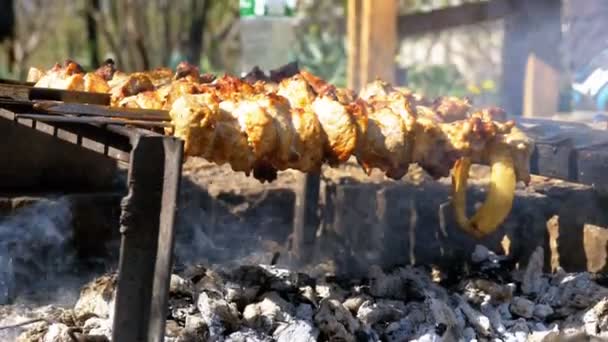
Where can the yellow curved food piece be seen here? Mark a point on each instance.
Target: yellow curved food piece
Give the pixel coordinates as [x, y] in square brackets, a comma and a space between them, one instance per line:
[500, 196]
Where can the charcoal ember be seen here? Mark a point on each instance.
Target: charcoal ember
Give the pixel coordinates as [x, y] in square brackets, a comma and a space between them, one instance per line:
[335, 321]
[533, 281]
[49, 314]
[330, 291]
[504, 311]
[35, 332]
[479, 321]
[195, 330]
[304, 312]
[482, 255]
[247, 335]
[542, 311]
[244, 283]
[241, 295]
[98, 326]
[576, 292]
[308, 294]
[494, 316]
[522, 307]
[445, 319]
[284, 71]
[283, 280]
[97, 298]
[518, 331]
[367, 335]
[469, 334]
[403, 284]
[595, 319]
[296, 331]
[173, 329]
[181, 307]
[255, 74]
[218, 314]
[550, 296]
[353, 303]
[194, 272]
[211, 281]
[408, 327]
[549, 335]
[266, 314]
[248, 275]
[57, 333]
[430, 336]
[179, 286]
[476, 291]
[380, 311]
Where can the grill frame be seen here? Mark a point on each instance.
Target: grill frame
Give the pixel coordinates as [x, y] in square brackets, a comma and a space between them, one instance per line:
[148, 211]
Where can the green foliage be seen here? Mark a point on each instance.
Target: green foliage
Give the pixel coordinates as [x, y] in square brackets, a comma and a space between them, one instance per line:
[437, 80]
[447, 80]
[322, 54]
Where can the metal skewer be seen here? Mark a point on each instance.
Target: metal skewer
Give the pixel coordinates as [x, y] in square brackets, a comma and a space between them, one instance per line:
[93, 120]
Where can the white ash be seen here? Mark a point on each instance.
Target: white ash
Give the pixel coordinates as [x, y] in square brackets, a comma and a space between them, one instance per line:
[266, 303]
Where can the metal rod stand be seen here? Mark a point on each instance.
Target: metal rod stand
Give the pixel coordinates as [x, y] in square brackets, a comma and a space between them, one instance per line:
[306, 218]
[147, 228]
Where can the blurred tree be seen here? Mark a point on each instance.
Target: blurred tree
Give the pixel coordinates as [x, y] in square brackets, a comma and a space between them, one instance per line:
[7, 29]
[320, 33]
[92, 6]
[33, 19]
[199, 10]
[141, 34]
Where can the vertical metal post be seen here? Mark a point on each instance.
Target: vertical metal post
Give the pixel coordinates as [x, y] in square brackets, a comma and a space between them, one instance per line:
[147, 228]
[306, 218]
[174, 150]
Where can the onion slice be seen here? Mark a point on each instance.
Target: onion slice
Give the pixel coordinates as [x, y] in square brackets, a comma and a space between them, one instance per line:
[499, 200]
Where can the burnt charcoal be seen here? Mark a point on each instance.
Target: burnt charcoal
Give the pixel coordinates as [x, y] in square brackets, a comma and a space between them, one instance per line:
[380, 311]
[270, 303]
[335, 321]
[247, 335]
[98, 326]
[179, 286]
[297, 331]
[195, 330]
[219, 315]
[284, 72]
[268, 313]
[97, 298]
[522, 307]
[256, 74]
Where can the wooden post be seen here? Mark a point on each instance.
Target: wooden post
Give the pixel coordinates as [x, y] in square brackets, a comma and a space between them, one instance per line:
[372, 41]
[541, 88]
[353, 33]
[378, 40]
[148, 234]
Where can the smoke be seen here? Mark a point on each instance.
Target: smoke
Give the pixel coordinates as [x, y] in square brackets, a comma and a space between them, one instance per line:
[38, 261]
[216, 230]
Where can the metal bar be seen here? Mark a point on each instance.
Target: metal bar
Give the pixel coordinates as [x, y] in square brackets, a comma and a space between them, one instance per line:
[306, 219]
[15, 82]
[95, 110]
[28, 93]
[89, 120]
[174, 149]
[139, 243]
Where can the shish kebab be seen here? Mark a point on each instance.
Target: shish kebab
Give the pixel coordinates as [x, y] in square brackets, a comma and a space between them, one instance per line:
[260, 125]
